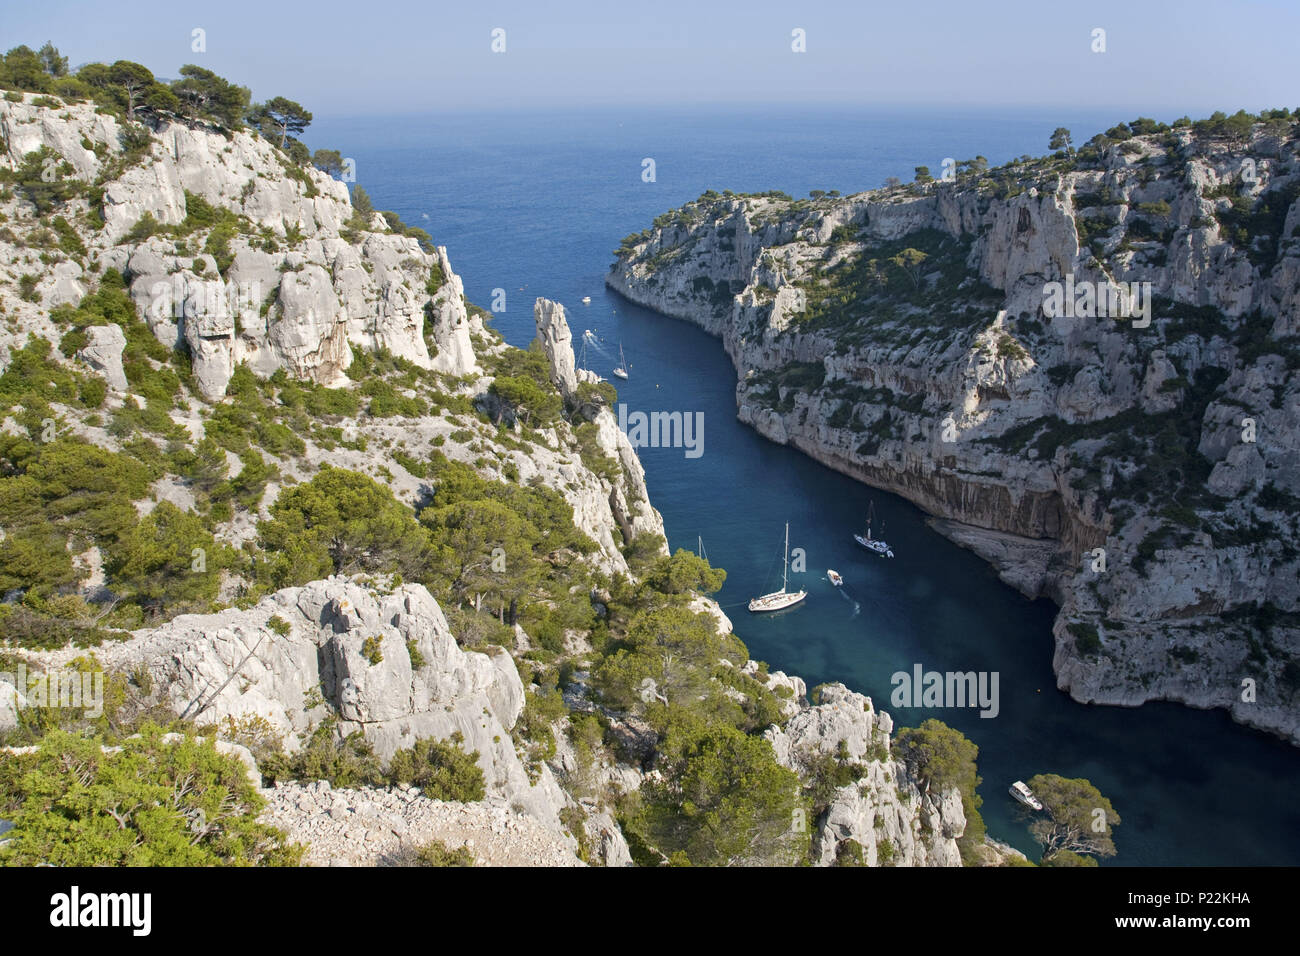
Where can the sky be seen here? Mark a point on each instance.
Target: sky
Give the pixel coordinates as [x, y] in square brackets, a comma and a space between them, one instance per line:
[390, 57]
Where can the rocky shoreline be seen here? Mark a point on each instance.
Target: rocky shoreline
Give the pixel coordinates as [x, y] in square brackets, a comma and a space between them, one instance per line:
[1021, 432]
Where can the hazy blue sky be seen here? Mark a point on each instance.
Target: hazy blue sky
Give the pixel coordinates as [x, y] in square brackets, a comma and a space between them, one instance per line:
[393, 56]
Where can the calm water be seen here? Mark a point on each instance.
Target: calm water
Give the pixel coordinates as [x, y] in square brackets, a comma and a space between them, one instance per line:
[535, 204]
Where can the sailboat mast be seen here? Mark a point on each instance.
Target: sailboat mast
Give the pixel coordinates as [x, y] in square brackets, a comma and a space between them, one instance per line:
[785, 558]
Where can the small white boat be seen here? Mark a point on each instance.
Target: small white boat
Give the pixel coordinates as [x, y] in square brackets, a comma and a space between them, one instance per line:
[589, 335]
[873, 544]
[1020, 790]
[586, 300]
[834, 577]
[779, 600]
[621, 371]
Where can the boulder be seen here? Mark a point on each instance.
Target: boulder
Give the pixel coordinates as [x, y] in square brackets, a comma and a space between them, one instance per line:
[103, 353]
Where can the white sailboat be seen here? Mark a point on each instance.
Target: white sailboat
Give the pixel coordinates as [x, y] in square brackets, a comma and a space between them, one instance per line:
[582, 360]
[873, 544]
[778, 600]
[621, 371]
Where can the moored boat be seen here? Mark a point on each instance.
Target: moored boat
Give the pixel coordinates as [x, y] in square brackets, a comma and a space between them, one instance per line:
[834, 576]
[1020, 790]
[880, 547]
[779, 600]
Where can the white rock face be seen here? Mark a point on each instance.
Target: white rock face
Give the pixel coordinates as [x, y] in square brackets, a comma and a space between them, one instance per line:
[103, 353]
[924, 417]
[557, 342]
[298, 300]
[884, 811]
[626, 499]
[451, 324]
[11, 701]
[354, 645]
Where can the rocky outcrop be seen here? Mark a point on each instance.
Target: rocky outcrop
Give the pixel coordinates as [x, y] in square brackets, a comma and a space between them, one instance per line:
[628, 500]
[12, 701]
[453, 348]
[1031, 431]
[339, 648]
[557, 343]
[893, 819]
[289, 290]
[103, 353]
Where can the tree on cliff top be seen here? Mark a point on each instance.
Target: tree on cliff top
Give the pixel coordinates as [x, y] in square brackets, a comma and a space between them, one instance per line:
[205, 94]
[1075, 818]
[53, 62]
[21, 68]
[132, 81]
[939, 756]
[279, 117]
[362, 206]
[149, 804]
[328, 161]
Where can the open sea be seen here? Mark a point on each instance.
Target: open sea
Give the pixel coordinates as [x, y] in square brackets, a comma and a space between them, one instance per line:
[534, 204]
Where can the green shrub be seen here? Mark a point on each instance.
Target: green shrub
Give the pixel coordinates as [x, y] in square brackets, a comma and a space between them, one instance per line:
[1086, 639]
[339, 522]
[441, 769]
[151, 804]
[346, 762]
[436, 853]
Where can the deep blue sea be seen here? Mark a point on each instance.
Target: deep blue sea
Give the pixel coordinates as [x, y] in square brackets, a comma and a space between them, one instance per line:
[534, 204]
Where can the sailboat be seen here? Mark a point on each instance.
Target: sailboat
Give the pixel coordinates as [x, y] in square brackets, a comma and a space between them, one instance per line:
[873, 544]
[582, 359]
[621, 371]
[781, 599]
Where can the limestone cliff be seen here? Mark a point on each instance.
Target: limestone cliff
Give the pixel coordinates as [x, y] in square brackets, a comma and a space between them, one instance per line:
[270, 280]
[1125, 441]
[256, 282]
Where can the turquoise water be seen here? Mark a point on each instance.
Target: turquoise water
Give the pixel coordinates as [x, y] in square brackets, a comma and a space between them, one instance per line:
[535, 204]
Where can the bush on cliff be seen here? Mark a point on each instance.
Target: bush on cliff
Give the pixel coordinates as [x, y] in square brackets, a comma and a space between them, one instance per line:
[723, 800]
[151, 804]
[340, 522]
[441, 769]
